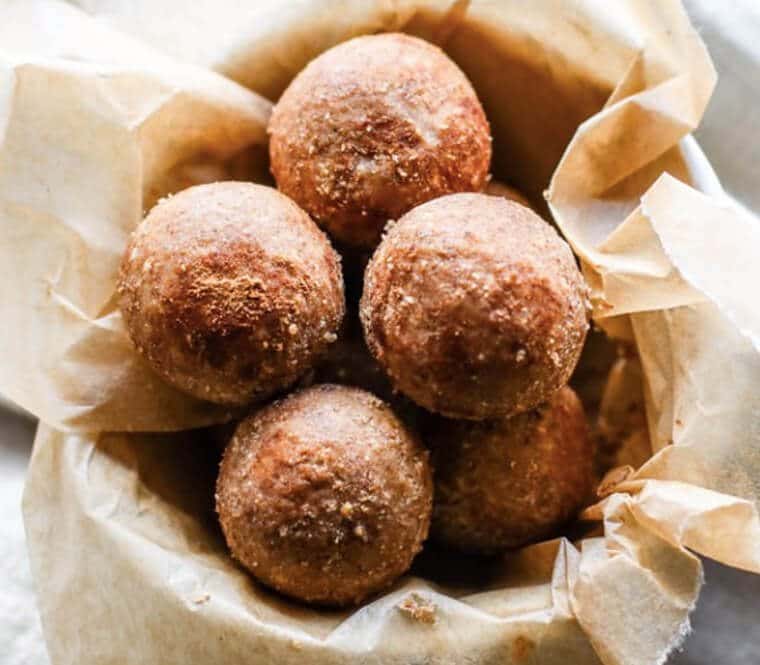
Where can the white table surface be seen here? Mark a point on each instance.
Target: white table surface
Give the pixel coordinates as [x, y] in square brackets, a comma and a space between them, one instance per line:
[727, 620]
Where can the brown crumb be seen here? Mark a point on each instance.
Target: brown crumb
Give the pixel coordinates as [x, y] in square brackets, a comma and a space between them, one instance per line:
[612, 479]
[522, 648]
[418, 608]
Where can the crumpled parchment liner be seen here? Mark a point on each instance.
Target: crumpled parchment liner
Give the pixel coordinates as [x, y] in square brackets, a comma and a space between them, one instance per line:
[92, 125]
[108, 105]
[133, 568]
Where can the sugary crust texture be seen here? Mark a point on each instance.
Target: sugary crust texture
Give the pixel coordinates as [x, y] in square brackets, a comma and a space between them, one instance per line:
[504, 483]
[373, 127]
[230, 291]
[475, 307]
[325, 496]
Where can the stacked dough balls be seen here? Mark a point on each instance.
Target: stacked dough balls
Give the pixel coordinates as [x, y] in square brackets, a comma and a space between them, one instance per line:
[472, 309]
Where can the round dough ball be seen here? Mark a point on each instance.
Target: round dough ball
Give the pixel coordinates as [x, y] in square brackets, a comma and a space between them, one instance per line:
[230, 291]
[505, 483]
[325, 496]
[373, 127]
[475, 307]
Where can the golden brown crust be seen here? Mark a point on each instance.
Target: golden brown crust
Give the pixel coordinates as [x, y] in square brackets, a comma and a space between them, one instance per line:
[325, 496]
[475, 307]
[504, 483]
[373, 127]
[230, 291]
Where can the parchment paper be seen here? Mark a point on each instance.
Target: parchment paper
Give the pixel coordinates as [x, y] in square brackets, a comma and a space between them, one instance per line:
[104, 108]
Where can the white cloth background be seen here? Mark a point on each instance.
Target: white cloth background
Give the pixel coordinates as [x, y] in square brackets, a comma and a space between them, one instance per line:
[730, 137]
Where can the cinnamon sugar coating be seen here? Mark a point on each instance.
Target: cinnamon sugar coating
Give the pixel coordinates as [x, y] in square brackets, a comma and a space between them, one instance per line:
[230, 291]
[505, 483]
[474, 306]
[373, 127]
[325, 496]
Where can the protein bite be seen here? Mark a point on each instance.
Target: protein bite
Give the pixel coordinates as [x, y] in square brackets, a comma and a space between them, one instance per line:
[325, 496]
[230, 291]
[504, 483]
[475, 307]
[373, 127]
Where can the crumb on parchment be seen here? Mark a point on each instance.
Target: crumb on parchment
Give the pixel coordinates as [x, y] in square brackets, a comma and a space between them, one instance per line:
[418, 608]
